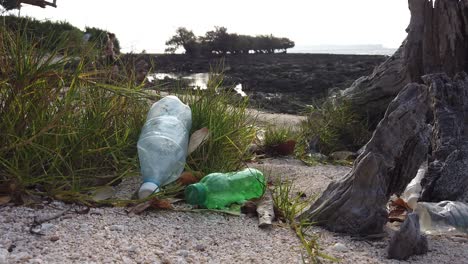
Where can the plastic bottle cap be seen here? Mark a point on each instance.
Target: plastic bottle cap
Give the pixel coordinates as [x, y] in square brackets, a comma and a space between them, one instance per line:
[195, 194]
[147, 189]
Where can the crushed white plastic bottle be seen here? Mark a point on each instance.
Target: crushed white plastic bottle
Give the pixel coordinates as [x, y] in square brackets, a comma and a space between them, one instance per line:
[443, 217]
[413, 190]
[162, 146]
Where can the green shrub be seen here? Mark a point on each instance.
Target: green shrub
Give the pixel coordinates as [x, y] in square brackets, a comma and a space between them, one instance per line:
[276, 135]
[43, 32]
[227, 120]
[62, 128]
[333, 126]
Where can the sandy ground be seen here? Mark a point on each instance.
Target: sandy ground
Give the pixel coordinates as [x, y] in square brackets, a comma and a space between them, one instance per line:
[109, 235]
[265, 118]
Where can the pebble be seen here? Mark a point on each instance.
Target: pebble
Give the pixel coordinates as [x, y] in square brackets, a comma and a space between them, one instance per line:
[3, 256]
[159, 252]
[459, 239]
[131, 249]
[119, 228]
[127, 260]
[183, 253]
[21, 257]
[339, 247]
[47, 227]
[200, 247]
[85, 227]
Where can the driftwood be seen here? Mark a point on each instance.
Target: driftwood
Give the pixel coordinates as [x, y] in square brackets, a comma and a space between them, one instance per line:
[265, 210]
[437, 41]
[356, 203]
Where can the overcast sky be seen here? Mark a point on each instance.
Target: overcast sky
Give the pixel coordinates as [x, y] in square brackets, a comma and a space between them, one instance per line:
[147, 24]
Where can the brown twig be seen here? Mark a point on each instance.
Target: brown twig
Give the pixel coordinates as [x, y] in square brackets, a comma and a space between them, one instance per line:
[39, 221]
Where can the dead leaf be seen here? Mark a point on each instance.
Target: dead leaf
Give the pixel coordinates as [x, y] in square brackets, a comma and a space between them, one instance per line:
[103, 193]
[398, 210]
[139, 208]
[400, 202]
[187, 178]
[84, 210]
[161, 204]
[398, 214]
[197, 139]
[4, 200]
[249, 208]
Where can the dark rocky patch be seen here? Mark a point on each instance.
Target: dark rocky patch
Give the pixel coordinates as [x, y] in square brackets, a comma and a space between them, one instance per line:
[276, 82]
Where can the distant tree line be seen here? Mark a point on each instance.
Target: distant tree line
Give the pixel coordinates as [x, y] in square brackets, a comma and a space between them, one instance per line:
[219, 41]
[50, 35]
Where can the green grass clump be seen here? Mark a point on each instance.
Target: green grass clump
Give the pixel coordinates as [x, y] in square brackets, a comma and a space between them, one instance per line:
[290, 206]
[69, 125]
[231, 132]
[64, 126]
[42, 31]
[333, 126]
[275, 135]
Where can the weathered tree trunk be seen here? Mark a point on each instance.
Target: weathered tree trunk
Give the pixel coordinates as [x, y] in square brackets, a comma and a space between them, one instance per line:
[437, 41]
[447, 174]
[356, 203]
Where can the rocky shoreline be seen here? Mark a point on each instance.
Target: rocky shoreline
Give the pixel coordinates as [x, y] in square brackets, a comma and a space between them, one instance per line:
[281, 83]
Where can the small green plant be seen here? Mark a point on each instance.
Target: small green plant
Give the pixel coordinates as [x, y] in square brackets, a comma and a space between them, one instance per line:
[231, 132]
[290, 206]
[275, 135]
[331, 127]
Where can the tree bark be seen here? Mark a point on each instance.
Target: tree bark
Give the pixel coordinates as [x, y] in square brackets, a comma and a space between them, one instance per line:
[356, 203]
[437, 41]
[447, 174]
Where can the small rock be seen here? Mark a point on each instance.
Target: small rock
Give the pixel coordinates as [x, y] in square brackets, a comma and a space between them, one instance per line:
[159, 252]
[11, 248]
[343, 155]
[200, 247]
[54, 238]
[21, 257]
[339, 247]
[183, 253]
[85, 227]
[45, 228]
[3, 255]
[127, 260]
[166, 261]
[318, 157]
[407, 241]
[131, 249]
[119, 228]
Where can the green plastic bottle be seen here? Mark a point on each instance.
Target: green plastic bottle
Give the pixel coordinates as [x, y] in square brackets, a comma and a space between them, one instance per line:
[219, 190]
